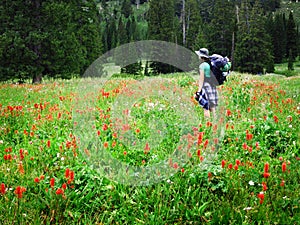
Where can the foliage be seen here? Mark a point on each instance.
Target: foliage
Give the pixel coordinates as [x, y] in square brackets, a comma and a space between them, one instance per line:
[46, 178]
[47, 38]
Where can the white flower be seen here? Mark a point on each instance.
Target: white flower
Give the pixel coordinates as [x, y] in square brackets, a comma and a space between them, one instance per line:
[284, 197]
[1, 141]
[290, 126]
[169, 181]
[247, 208]
[251, 183]
[62, 158]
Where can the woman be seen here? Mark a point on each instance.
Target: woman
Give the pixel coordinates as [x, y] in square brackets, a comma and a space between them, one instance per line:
[206, 88]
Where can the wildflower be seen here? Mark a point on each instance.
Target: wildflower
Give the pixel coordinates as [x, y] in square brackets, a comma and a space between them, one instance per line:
[21, 168]
[275, 119]
[223, 163]
[137, 130]
[125, 153]
[19, 191]
[283, 167]
[64, 186]
[67, 173]
[48, 143]
[266, 168]
[182, 170]
[104, 127]
[228, 112]
[3, 189]
[238, 162]
[72, 175]
[282, 183]
[264, 186]
[261, 196]
[175, 166]
[266, 175]
[52, 181]
[147, 148]
[251, 183]
[247, 208]
[59, 191]
[198, 152]
[36, 180]
[236, 167]
[105, 145]
[230, 166]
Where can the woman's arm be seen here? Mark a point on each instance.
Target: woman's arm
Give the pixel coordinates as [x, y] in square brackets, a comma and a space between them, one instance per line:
[201, 80]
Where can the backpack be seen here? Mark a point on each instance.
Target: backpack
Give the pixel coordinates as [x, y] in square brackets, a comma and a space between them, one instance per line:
[220, 67]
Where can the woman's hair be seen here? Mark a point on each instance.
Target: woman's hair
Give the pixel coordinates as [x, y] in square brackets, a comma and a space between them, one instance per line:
[206, 60]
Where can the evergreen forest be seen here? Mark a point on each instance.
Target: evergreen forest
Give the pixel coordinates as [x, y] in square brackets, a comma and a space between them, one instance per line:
[60, 39]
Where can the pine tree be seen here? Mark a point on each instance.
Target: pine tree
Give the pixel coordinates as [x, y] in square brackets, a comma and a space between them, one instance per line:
[47, 38]
[278, 34]
[161, 27]
[221, 27]
[253, 48]
[193, 24]
[291, 36]
[126, 8]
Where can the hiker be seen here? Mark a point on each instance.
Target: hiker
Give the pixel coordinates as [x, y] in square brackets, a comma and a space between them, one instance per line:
[207, 93]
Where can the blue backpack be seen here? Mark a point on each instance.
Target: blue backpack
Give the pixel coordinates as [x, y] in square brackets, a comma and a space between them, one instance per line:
[220, 67]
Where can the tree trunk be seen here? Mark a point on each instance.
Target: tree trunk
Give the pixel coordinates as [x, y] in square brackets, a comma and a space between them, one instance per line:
[37, 79]
[183, 23]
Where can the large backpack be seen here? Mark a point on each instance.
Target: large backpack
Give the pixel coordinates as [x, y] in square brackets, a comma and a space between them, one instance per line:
[220, 67]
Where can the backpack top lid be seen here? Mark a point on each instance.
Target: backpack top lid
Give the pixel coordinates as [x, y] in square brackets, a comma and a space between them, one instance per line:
[218, 60]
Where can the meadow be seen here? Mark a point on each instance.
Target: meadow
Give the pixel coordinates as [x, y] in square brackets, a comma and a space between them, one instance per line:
[125, 151]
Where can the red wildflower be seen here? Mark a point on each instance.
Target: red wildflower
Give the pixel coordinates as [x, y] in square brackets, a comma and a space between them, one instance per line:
[59, 191]
[261, 196]
[64, 186]
[228, 112]
[264, 186]
[147, 148]
[137, 130]
[104, 127]
[266, 168]
[48, 143]
[282, 183]
[67, 173]
[52, 181]
[283, 167]
[125, 153]
[182, 170]
[266, 175]
[72, 175]
[19, 191]
[249, 136]
[236, 167]
[36, 180]
[21, 168]
[223, 163]
[3, 189]
[238, 162]
[230, 166]
[198, 152]
[175, 166]
[275, 119]
[105, 144]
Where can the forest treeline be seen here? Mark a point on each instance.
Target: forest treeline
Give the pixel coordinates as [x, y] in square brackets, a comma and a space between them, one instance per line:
[60, 39]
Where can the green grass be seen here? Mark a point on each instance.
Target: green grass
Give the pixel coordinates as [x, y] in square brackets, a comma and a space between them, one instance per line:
[260, 119]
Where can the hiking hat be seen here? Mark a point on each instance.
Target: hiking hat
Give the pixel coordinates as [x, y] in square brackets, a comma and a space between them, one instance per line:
[203, 52]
